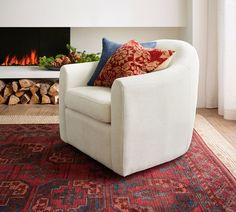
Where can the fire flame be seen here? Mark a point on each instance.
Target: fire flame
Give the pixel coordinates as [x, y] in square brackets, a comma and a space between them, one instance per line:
[28, 59]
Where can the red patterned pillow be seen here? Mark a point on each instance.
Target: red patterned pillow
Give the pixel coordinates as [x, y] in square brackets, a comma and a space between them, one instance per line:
[132, 59]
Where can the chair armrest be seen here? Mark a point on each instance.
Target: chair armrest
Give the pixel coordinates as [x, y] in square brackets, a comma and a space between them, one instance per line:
[145, 108]
[72, 76]
[75, 75]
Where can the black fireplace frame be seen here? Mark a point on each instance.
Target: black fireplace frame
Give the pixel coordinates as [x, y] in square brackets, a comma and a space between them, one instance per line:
[47, 41]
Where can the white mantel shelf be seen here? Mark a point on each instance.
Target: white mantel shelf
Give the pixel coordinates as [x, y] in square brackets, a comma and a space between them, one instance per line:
[29, 72]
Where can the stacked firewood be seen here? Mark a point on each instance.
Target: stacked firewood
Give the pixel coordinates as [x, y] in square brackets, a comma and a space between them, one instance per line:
[25, 91]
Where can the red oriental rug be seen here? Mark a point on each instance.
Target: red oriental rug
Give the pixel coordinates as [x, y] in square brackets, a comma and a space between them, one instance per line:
[39, 172]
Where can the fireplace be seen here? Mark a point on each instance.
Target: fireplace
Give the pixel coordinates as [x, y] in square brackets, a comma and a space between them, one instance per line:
[21, 80]
[23, 46]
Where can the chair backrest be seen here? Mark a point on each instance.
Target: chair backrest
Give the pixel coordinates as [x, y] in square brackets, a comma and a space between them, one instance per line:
[185, 53]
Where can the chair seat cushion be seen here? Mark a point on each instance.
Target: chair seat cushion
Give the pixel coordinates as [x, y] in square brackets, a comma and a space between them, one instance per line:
[91, 101]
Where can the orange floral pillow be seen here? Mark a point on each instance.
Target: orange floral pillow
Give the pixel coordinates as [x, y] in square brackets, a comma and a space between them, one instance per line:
[132, 59]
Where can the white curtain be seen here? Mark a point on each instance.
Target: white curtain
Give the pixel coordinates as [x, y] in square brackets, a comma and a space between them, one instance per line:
[227, 58]
[214, 24]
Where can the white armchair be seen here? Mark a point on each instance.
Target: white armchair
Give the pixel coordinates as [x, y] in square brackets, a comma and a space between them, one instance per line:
[142, 121]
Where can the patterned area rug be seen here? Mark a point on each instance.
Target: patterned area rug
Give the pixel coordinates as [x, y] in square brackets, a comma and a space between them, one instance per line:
[217, 143]
[39, 172]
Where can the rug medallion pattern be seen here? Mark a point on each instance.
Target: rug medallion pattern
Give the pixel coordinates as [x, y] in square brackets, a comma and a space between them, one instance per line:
[38, 172]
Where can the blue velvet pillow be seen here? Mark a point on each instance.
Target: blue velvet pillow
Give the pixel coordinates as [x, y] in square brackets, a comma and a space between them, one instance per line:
[108, 49]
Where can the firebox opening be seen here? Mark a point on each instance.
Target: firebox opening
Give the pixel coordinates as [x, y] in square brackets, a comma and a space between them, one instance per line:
[23, 46]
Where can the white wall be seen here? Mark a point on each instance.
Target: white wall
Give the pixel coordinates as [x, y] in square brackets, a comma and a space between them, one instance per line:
[92, 13]
[186, 32]
[90, 39]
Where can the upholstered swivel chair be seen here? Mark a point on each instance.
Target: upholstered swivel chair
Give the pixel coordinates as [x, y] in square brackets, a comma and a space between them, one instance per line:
[141, 122]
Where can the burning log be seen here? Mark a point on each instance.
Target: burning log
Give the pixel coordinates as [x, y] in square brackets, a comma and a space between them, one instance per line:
[29, 59]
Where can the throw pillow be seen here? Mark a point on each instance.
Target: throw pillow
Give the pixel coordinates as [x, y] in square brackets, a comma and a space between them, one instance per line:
[132, 59]
[108, 49]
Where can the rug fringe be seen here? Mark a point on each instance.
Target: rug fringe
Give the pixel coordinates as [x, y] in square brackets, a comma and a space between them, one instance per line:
[23, 119]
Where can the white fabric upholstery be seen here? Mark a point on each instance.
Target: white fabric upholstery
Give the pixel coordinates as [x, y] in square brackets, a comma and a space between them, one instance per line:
[94, 136]
[91, 101]
[72, 76]
[152, 115]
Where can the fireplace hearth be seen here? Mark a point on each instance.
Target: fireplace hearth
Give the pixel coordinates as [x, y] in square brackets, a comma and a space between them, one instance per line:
[23, 46]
